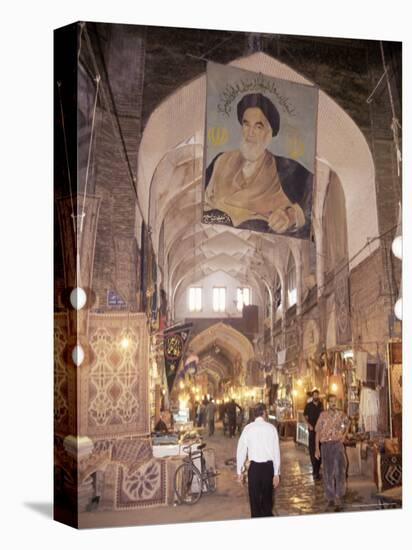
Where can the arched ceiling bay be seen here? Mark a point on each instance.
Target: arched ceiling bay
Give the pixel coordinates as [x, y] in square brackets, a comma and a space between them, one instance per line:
[218, 362]
[233, 345]
[170, 188]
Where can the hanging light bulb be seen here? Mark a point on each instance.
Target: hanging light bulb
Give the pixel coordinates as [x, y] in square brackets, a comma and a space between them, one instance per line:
[78, 355]
[334, 387]
[397, 247]
[125, 342]
[398, 309]
[78, 298]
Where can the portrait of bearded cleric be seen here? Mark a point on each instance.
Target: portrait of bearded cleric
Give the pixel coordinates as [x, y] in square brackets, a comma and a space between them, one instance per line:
[252, 188]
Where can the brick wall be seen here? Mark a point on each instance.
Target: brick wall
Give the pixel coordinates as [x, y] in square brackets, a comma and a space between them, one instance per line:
[371, 313]
[118, 51]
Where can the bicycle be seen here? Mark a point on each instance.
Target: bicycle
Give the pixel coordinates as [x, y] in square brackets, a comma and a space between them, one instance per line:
[190, 481]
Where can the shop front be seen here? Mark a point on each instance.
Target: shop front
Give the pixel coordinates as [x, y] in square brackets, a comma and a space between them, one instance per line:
[368, 387]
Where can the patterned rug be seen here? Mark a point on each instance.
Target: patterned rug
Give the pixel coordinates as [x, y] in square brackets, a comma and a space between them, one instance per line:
[390, 471]
[116, 400]
[143, 487]
[61, 379]
[132, 451]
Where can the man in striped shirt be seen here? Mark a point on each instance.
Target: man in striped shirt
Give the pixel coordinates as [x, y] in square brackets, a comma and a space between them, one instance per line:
[331, 430]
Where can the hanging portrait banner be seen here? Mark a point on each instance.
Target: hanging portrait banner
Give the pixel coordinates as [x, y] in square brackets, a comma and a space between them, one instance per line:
[260, 147]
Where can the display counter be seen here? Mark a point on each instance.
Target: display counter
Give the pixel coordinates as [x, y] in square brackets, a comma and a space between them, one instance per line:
[173, 443]
[302, 432]
[162, 451]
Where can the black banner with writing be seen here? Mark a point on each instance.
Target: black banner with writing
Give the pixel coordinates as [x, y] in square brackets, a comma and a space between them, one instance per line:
[175, 342]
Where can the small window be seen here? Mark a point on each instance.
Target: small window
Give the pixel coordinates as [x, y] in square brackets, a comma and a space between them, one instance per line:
[267, 303]
[277, 295]
[219, 298]
[244, 297]
[291, 281]
[195, 298]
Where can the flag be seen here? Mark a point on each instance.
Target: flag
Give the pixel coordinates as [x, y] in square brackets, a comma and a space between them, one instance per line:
[175, 342]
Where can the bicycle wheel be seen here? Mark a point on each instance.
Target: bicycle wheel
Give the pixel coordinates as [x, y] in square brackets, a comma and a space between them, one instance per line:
[187, 484]
[211, 481]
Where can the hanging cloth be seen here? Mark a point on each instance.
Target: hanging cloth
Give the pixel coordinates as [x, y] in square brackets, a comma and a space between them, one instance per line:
[382, 365]
[281, 357]
[324, 361]
[369, 410]
[337, 363]
[361, 360]
[331, 362]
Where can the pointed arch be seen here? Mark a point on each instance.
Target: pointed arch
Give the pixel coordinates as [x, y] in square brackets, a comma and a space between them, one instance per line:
[235, 344]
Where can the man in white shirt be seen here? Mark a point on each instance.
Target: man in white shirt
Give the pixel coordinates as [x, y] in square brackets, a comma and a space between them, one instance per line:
[259, 442]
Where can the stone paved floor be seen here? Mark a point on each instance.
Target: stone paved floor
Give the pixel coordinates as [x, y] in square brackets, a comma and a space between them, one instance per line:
[296, 495]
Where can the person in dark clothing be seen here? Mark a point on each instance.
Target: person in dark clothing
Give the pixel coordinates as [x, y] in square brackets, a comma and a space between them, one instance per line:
[210, 416]
[311, 413]
[231, 413]
[239, 420]
[161, 426]
[225, 420]
[251, 413]
[221, 410]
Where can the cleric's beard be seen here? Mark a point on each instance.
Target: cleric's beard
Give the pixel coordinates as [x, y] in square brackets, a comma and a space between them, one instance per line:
[252, 151]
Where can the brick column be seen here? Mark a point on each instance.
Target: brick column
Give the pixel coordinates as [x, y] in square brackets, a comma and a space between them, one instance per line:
[322, 181]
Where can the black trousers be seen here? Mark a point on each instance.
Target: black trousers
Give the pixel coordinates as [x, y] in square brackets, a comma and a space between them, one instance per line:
[312, 448]
[260, 482]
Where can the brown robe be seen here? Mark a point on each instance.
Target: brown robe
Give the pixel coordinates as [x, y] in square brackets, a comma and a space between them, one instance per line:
[244, 198]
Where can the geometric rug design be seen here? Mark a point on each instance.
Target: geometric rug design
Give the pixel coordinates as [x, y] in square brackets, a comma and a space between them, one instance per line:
[113, 380]
[61, 399]
[391, 471]
[132, 451]
[117, 391]
[143, 487]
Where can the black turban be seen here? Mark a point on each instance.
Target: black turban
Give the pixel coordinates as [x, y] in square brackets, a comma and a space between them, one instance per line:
[264, 104]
